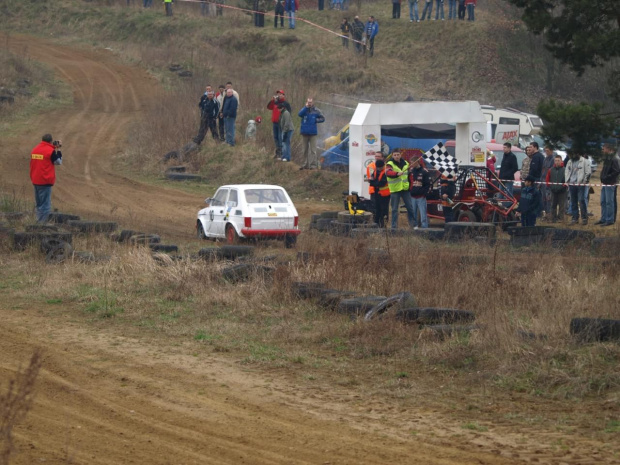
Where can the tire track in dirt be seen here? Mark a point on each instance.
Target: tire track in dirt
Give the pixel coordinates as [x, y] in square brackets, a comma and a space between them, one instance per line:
[107, 99]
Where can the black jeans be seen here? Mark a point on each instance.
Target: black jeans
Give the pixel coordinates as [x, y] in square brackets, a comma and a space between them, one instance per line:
[395, 10]
[220, 126]
[382, 209]
[206, 125]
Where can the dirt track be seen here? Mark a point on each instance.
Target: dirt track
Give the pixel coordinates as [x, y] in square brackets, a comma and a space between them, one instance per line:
[105, 398]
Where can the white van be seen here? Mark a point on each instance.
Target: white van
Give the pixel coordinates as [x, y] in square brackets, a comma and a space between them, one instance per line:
[529, 124]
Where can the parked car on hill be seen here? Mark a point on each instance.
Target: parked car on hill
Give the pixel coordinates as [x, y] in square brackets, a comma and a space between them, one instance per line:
[249, 211]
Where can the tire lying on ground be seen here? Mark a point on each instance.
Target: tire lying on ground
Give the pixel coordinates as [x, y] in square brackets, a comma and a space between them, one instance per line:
[245, 271]
[332, 215]
[431, 316]
[61, 218]
[21, 240]
[359, 305]
[58, 254]
[324, 224]
[395, 302]
[167, 248]
[346, 217]
[330, 298]
[49, 243]
[595, 329]
[183, 177]
[231, 252]
[307, 290]
[145, 239]
[85, 257]
[127, 234]
[93, 226]
[41, 228]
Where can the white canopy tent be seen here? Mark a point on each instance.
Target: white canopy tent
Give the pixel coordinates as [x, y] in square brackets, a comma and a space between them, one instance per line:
[365, 132]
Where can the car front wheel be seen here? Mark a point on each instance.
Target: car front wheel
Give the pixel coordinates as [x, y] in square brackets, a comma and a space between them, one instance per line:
[231, 235]
[200, 231]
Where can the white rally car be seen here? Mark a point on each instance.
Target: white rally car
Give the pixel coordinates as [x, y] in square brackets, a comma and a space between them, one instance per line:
[249, 211]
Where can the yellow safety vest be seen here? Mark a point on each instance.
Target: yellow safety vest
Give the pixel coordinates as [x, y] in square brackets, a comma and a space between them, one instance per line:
[400, 183]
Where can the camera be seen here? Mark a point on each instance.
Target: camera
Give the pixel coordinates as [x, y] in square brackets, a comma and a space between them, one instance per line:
[56, 144]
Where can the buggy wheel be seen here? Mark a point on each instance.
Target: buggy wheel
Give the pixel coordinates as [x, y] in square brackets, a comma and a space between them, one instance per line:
[231, 235]
[200, 231]
[467, 216]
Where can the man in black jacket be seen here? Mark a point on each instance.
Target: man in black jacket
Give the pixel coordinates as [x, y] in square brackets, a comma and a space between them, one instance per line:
[508, 169]
[420, 185]
[609, 177]
[209, 109]
[536, 165]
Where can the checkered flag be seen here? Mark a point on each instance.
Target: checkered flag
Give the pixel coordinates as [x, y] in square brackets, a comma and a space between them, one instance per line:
[441, 160]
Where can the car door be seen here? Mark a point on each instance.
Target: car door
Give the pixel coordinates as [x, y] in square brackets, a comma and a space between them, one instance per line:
[217, 213]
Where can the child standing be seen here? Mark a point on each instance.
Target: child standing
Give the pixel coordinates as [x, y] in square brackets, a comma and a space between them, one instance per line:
[530, 204]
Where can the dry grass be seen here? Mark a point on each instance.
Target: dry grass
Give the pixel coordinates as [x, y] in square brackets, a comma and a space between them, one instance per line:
[16, 402]
[261, 322]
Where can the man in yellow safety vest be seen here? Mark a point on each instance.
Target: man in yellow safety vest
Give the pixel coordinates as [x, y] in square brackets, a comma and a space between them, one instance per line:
[398, 182]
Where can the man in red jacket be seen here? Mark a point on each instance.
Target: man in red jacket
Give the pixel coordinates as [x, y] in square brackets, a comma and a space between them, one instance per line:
[275, 120]
[43, 159]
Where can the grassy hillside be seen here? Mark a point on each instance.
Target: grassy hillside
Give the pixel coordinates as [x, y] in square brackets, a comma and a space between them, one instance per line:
[493, 60]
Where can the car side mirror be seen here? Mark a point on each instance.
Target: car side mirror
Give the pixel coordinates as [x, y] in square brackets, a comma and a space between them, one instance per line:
[208, 201]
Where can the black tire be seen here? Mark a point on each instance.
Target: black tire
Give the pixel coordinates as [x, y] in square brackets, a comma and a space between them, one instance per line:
[165, 248]
[172, 155]
[339, 228]
[60, 253]
[324, 224]
[145, 239]
[330, 298]
[50, 243]
[13, 216]
[93, 226]
[430, 316]
[393, 303]
[200, 231]
[184, 177]
[346, 217]
[232, 237]
[21, 240]
[595, 329]
[41, 228]
[176, 169]
[211, 253]
[329, 215]
[61, 218]
[431, 234]
[469, 230]
[289, 241]
[306, 290]
[573, 235]
[467, 216]
[360, 305]
[232, 252]
[246, 271]
[314, 218]
[126, 234]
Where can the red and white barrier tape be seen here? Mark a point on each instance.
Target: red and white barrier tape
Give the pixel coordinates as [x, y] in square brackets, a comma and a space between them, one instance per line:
[562, 183]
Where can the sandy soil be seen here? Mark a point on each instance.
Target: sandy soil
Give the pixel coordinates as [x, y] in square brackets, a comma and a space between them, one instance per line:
[108, 398]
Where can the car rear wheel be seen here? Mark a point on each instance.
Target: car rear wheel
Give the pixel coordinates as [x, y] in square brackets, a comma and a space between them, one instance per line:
[200, 231]
[231, 235]
[467, 216]
[290, 241]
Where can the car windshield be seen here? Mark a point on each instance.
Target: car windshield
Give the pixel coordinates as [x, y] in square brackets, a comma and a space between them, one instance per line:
[265, 196]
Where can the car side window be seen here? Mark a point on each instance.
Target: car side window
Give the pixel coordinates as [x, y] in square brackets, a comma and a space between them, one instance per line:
[220, 198]
[233, 198]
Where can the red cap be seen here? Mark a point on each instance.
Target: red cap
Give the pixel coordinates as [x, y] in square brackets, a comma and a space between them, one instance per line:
[280, 92]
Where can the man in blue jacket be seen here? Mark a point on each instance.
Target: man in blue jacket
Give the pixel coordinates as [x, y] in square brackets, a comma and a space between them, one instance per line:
[371, 29]
[310, 117]
[229, 113]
